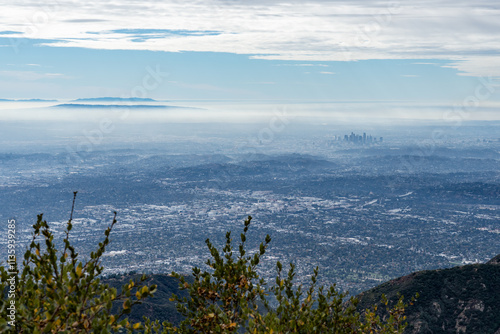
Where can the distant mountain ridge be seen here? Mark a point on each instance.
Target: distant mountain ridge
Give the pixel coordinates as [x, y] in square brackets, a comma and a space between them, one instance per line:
[104, 106]
[119, 106]
[26, 100]
[114, 99]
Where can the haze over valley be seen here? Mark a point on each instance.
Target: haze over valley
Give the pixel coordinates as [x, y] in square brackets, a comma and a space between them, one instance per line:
[364, 209]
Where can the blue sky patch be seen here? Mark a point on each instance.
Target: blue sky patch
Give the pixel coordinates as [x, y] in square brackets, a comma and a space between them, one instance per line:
[9, 32]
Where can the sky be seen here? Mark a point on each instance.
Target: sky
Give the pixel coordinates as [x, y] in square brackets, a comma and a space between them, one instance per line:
[436, 51]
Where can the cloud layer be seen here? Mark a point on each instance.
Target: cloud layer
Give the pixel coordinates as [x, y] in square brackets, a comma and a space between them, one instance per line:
[465, 33]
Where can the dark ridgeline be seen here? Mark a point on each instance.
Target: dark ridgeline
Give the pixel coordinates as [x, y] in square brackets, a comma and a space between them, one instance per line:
[464, 299]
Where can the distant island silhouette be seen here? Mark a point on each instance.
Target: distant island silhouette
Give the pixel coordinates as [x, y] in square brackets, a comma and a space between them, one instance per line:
[26, 100]
[112, 106]
[114, 99]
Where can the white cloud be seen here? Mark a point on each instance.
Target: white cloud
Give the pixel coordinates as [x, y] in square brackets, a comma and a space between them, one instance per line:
[324, 72]
[465, 33]
[29, 75]
[320, 65]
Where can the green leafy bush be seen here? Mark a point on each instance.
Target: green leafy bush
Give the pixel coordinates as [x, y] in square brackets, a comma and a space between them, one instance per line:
[57, 293]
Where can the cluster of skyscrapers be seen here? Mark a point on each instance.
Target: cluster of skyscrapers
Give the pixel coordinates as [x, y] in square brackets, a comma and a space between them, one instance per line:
[359, 139]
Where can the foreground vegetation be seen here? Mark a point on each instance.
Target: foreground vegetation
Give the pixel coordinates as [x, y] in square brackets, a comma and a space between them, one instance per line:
[55, 292]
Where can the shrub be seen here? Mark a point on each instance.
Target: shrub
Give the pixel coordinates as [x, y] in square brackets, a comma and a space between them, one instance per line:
[57, 293]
